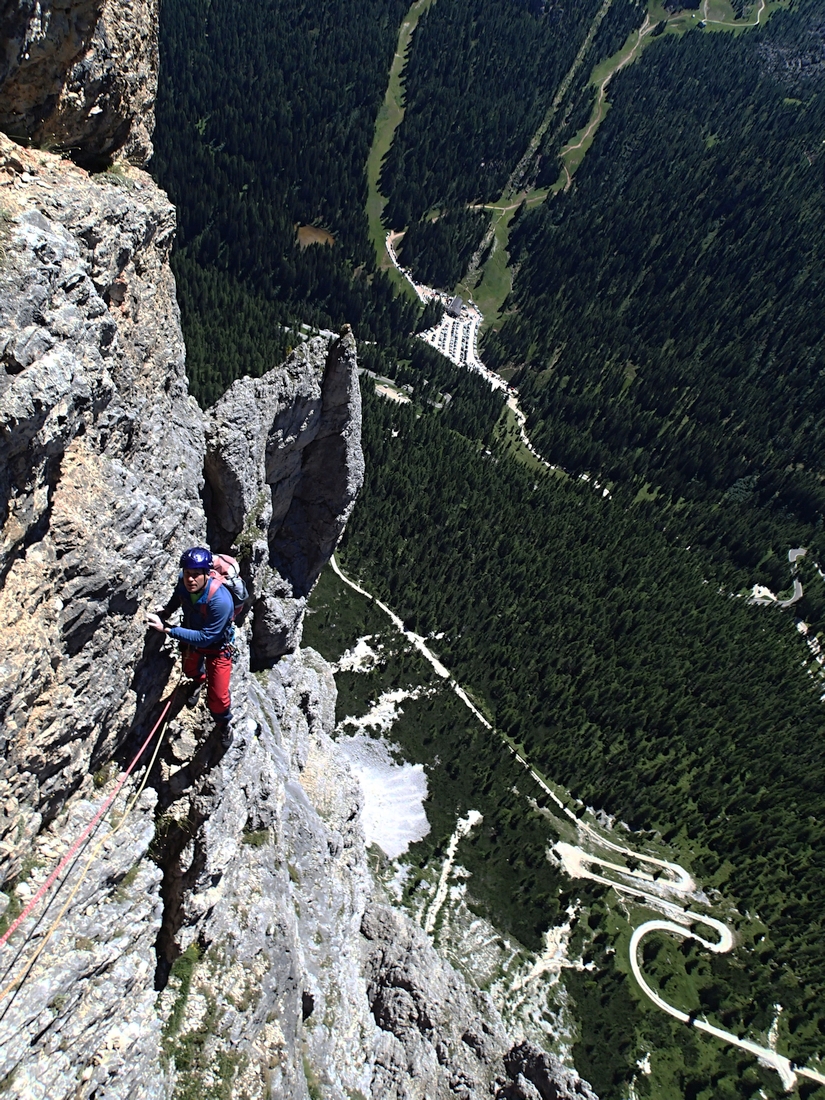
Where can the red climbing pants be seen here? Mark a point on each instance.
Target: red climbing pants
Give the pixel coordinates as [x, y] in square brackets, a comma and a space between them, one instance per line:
[215, 667]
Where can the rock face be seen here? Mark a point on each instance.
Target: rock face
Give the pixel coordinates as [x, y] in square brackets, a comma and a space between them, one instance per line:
[101, 469]
[539, 1075]
[215, 933]
[270, 885]
[437, 1036]
[101, 459]
[283, 469]
[80, 76]
[102, 456]
[85, 1012]
[288, 980]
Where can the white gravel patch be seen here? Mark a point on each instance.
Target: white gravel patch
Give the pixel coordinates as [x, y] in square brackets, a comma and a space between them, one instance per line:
[463, 826]
[384, 712]
[393, 815]
[361, 658]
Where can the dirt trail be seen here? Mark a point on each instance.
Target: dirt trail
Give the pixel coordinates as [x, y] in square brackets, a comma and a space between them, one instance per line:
[599, 111]
[496, 206]
[520, 169]
[535, 141]
[722, 23]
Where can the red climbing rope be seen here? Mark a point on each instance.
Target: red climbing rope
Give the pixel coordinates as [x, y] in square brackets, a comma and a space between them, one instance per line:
[87, 831]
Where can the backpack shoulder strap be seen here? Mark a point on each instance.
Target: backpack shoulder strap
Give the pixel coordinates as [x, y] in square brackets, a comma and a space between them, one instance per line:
[212, 586]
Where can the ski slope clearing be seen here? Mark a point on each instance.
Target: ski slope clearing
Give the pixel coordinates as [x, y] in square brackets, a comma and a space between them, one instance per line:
[724, 23]
[572, 154]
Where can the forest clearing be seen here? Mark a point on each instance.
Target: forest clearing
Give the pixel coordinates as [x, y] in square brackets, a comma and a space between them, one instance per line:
[313, 234]
[491, 288]
[391, 393]
[723, 18]
[572, 154]
[388, 120]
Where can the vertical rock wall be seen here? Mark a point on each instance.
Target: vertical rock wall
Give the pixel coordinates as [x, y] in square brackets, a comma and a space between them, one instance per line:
[214, 934]
[101, 460]
[80, 76]
[101, 477]
[283, 469]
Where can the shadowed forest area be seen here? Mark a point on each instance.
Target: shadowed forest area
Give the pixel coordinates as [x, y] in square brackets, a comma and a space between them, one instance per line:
[264, 120]
[478, 83]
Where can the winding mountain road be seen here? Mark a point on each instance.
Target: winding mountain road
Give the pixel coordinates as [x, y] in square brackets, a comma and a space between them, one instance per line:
[667, 887]
[665, 890]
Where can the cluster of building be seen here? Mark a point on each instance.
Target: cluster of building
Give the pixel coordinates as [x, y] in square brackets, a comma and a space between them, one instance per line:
[456, 337]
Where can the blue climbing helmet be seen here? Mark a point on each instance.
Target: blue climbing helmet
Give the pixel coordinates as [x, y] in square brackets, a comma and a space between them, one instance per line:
[196, 558]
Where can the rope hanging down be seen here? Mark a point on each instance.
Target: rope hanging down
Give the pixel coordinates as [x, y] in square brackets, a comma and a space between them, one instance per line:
[78, 843]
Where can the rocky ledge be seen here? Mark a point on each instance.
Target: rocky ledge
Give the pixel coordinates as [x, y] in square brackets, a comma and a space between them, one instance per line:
[216, 934]
[80, 76]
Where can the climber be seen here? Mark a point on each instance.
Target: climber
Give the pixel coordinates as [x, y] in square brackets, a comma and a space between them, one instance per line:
[205, 635]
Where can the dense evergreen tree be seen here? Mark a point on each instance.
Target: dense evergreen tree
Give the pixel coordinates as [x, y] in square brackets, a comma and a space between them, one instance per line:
[439, 248]
[665, 319]
[265, 117]
[478, 82]
[619, 663]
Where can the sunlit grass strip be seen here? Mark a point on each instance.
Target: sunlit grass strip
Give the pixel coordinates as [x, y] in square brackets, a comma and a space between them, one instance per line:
[388, 121]
[490, 290]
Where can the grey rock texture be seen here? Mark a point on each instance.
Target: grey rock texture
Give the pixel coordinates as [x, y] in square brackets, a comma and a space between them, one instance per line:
[85, 1017]
[438, 1037]
[215, 935]
[284, 466]
[537, 1074]
[251, 861]
[80, 76]
[101, 458]
[277, 884]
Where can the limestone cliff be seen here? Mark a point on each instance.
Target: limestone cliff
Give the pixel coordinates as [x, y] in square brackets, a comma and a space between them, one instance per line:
[80, 76]
[216, 934]
[101, 462]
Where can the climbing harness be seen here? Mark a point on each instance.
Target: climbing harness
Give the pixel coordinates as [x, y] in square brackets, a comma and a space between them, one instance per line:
[75, 848]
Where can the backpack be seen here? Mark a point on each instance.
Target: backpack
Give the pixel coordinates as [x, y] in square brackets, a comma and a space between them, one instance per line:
[226, 571]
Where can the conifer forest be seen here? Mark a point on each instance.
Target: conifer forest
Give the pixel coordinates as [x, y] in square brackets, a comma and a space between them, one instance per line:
[623, 601]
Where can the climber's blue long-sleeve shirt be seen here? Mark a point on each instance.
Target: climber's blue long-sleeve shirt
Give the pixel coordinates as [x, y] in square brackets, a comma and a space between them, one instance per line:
[207, 621]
